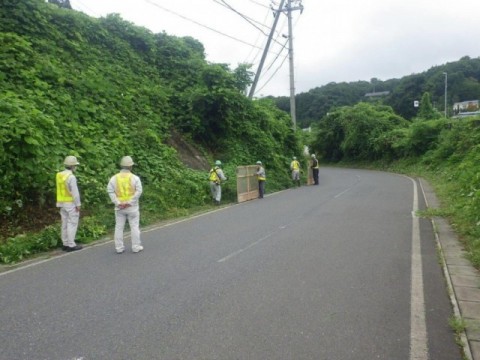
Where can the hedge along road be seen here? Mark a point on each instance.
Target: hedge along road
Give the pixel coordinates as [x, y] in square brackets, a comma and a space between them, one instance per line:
[318, 272]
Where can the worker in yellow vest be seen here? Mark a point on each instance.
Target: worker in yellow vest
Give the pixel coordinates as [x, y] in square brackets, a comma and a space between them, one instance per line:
[261, 177]
[68, 200]
[125, 190]
[295, 168]
[216, 176]
[315, 169]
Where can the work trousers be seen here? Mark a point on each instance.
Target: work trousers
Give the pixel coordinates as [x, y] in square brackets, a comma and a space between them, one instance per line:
[132, 215]
[70, 218]
[296, 175]
[315, 176]
[216, 190]
[261, 188]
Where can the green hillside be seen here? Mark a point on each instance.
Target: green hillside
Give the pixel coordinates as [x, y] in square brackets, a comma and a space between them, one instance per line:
[103, 88]
[463, 82]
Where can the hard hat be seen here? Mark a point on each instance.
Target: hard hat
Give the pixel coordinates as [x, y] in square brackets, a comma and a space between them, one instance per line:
[294, 158]
[71, 161]
[126, 161]
[259, 163]
[313, 155]
[218, 163]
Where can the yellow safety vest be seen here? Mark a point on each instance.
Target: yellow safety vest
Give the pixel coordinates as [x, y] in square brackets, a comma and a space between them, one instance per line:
[124, 189]
[316, 164]
[63, 193]
[295, 165]
[214, 176]
[261, 178]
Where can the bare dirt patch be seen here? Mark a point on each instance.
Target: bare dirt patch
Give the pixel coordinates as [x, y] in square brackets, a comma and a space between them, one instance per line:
[187, 153]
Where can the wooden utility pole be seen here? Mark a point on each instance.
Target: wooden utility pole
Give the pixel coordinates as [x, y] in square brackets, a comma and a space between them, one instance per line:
[289, 9]
[265, 51]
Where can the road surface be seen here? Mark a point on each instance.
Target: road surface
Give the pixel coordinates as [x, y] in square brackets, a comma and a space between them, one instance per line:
[343, 270]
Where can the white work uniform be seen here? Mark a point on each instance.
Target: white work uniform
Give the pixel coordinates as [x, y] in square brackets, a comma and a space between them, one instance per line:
[69, 211]
[131, 213]
[215, 187]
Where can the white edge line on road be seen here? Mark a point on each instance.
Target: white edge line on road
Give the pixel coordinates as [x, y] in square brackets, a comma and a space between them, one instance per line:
[418, 327]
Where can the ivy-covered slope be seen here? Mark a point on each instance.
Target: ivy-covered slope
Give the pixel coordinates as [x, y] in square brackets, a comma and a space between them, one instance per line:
[103, 88]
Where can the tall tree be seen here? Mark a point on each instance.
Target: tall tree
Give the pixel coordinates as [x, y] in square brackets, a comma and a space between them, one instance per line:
[426, 110]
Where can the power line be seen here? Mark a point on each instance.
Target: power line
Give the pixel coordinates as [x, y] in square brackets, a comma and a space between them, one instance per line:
[248, 19]
[275, 59]
[275, 72]
[256, 2]
[199, 24]
[85, 7]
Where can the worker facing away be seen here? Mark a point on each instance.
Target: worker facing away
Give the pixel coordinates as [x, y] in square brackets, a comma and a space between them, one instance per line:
[295, 168]
[216, 176]
[315, 169]
[261, 177]
[68, 200]
[125, 190]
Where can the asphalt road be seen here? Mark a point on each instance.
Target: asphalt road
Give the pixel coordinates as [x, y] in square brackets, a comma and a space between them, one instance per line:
[319, 272]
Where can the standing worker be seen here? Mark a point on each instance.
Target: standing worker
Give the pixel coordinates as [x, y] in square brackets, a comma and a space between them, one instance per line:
[124, 190]
[261, 179]
[68, 200]
[295, 167]
[315, 169]
[216, 176]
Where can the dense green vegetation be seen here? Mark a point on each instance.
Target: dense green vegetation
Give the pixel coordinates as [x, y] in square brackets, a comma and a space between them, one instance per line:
[463, 85]
[444, 151]
[103, 88]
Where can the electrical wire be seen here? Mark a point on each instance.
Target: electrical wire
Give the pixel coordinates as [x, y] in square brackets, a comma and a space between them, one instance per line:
[274, 60]
[83, 6]
[199, 24]
[257, 3]
[271, 77]
[278, 68]
[248, 19]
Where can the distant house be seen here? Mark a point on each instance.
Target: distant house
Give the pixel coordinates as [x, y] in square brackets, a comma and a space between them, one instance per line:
[466, 106]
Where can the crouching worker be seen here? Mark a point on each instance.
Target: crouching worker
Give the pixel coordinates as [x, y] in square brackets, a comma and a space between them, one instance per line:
[124, 190]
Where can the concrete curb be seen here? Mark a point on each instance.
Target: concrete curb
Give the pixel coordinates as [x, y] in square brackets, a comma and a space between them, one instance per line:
[463, 280]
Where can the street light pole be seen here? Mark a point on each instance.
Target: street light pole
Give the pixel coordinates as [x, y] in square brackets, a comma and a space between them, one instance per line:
[446, 82]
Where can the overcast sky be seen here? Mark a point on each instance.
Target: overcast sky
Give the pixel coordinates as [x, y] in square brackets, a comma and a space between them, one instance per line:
[333, 40]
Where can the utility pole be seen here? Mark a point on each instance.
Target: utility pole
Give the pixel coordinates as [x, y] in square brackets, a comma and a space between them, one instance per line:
[293, 111]
[446, 82]
[289, 9]
[265, 51]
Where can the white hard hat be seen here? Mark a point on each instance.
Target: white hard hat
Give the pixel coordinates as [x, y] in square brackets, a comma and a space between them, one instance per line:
[313, 155]
[126, 161]
[71, 161]
[218, 163]
[259, 163]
